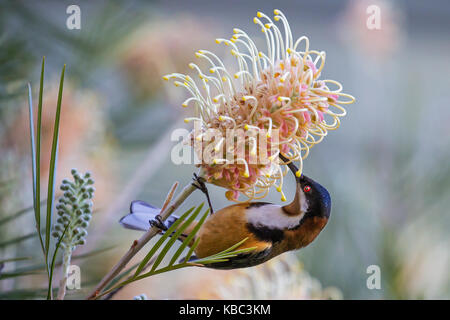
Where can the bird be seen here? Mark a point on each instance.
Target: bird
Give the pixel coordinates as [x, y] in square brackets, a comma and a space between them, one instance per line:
[269, 228]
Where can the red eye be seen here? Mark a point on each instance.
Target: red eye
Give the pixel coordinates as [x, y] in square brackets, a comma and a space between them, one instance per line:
[307, 189]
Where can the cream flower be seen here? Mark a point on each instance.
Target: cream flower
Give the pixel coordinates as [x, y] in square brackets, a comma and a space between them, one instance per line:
[276, 92]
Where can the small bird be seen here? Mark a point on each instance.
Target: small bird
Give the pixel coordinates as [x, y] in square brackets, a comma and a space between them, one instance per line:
[270, 228]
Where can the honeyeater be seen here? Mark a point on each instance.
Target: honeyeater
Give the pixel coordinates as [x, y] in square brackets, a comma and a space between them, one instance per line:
[270, 228]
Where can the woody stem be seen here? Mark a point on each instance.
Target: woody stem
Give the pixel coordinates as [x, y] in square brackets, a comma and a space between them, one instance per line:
[139, 244]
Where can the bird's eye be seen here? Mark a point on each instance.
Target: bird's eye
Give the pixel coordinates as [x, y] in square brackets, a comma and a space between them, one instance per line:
[307, 189]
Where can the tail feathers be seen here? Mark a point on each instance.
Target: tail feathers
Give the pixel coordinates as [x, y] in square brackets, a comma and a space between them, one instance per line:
[140, 215]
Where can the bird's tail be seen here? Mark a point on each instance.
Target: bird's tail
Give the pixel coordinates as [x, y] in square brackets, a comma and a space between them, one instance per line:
[140, 215]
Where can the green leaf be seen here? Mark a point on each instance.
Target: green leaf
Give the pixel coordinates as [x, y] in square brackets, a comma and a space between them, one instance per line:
[16, 274]
[17, 240]
[174, 237]
[225, 254]
[219, 257]
[18, 214]
[161, 241]
[52, 170]
[189, 238]
[91, 253]
[32, 144]
[37, 155]
[52, 266]
[14, 259]
[191, 250]
[83, 256]
[121, 276]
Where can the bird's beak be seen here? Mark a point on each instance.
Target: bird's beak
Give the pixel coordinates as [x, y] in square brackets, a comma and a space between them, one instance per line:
[298, 205]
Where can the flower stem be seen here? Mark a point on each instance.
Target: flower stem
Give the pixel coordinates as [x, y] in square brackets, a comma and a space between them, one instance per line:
[139, 244]
[67, 255]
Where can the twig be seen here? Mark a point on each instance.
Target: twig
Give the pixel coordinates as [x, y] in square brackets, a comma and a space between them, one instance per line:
[114, 292]
[166, 211]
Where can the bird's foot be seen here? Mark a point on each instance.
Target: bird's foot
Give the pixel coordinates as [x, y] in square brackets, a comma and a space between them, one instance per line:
[199, 183]
[158, 223]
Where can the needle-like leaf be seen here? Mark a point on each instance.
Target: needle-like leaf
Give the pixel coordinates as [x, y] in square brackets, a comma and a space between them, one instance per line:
[52, 266]
[18, 214]
[161, 241]
[189, 238]
[37, 173]
[174, 237]
[52, 170]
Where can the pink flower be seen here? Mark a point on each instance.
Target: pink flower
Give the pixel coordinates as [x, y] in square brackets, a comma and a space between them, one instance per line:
[277, 93]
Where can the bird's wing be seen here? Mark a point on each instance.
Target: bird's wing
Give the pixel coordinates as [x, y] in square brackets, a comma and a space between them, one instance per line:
[142, 206]
[140, 215]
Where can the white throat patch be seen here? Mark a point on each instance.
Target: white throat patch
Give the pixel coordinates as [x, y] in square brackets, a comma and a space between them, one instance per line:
[303, 201]
[273, 217]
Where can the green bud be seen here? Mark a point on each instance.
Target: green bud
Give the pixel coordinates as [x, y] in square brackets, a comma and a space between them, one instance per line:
[56, 234]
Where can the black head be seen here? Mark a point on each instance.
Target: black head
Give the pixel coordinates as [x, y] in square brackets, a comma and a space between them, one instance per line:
[311, 195]
[317, 197]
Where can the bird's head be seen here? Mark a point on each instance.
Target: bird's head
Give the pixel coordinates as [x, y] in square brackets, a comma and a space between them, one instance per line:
[311, 198]
[317, 198]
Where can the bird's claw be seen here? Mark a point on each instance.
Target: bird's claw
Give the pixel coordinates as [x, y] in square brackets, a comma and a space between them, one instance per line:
[199, 183]
[158, 223]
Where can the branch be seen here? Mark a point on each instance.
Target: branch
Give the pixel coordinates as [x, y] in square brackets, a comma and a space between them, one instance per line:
[137, 245]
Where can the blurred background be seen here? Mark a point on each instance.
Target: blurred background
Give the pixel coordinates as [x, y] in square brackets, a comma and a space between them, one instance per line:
[387, 168]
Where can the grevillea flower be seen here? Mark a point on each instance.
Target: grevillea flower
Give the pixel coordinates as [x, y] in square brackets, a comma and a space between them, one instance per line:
[276, 92]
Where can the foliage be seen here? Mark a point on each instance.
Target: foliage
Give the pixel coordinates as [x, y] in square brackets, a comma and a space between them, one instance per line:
[154, 260]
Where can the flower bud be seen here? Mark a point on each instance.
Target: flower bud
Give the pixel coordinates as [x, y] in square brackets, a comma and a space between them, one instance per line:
[56, 234]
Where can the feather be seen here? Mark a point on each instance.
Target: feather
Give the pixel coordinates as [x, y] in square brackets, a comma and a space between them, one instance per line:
[140, 215]
[138, 220]
[141, 206]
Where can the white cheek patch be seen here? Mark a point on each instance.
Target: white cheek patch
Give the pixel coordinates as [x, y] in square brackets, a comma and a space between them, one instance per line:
[303, 202]
[273, 217]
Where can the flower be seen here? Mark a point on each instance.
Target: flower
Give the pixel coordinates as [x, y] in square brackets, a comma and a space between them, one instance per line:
[74, 210]
[277, 93]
